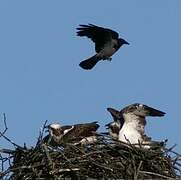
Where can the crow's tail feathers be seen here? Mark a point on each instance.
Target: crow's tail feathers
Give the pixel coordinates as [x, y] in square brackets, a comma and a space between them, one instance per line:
[89, 63]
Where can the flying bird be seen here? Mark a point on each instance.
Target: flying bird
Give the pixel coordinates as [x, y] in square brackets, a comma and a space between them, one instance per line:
[133, 121]
[107, 42]
[78, 134]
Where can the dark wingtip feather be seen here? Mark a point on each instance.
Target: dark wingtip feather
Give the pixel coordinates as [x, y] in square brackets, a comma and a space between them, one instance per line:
[88, 27]
[92, 25]
[82, 26]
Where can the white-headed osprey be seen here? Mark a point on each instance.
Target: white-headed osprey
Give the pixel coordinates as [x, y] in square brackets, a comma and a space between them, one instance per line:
[77, 134]
[133, 121]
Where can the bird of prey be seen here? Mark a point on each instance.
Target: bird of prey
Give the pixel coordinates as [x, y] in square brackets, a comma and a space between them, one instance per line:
[78, 134]
[115, 126]
[133, 120]
[107, 42]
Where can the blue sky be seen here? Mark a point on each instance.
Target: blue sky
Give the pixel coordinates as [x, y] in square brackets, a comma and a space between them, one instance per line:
[41, 80]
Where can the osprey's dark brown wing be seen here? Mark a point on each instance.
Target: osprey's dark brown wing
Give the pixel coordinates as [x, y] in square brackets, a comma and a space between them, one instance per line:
[80, 131]
[99, 35]
[67, 127]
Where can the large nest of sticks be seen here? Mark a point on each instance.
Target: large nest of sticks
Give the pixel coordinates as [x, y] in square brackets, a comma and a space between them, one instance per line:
[104, 159]
[101, 160]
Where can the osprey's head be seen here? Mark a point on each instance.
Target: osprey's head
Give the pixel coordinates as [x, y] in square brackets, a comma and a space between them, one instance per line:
[55, 134]
[142, 110]
[55, 130]
[113, 129]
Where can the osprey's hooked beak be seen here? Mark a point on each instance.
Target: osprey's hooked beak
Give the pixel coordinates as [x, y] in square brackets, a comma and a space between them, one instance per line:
[144, 110]
[153, 112]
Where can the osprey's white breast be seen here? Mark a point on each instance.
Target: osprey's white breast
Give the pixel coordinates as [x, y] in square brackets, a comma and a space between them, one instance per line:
[129, 134]
[132, 129]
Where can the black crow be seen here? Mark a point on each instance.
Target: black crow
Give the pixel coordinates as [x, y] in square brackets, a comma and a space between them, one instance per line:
[107, 42]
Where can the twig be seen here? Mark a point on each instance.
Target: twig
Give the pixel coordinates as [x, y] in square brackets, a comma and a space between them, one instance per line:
[6, 128]
[156, 174]
[47, 154]
[68, 170]
[7, 151]
[40, 138]
[11, 141]
[5, 125]
[92, 161]
[138, 170]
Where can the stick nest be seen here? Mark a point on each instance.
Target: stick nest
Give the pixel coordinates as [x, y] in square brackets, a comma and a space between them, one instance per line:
[104, 159]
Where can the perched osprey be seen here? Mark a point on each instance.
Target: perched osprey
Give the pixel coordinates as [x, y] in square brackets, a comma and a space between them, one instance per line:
[77, 134]
[115, 126]
[133, 120]
[107, 42]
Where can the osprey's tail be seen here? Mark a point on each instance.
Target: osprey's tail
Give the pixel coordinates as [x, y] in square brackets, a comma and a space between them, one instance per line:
[89, 63]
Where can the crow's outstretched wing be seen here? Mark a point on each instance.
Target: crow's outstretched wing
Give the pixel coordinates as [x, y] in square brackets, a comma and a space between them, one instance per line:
[99, 35]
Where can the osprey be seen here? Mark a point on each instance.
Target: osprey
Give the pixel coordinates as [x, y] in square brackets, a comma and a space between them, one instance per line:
[77, 134]
[107, 42]
[115, 126]
[133, 121]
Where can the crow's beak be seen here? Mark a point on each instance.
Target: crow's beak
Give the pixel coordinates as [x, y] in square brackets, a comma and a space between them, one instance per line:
[126, 43]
